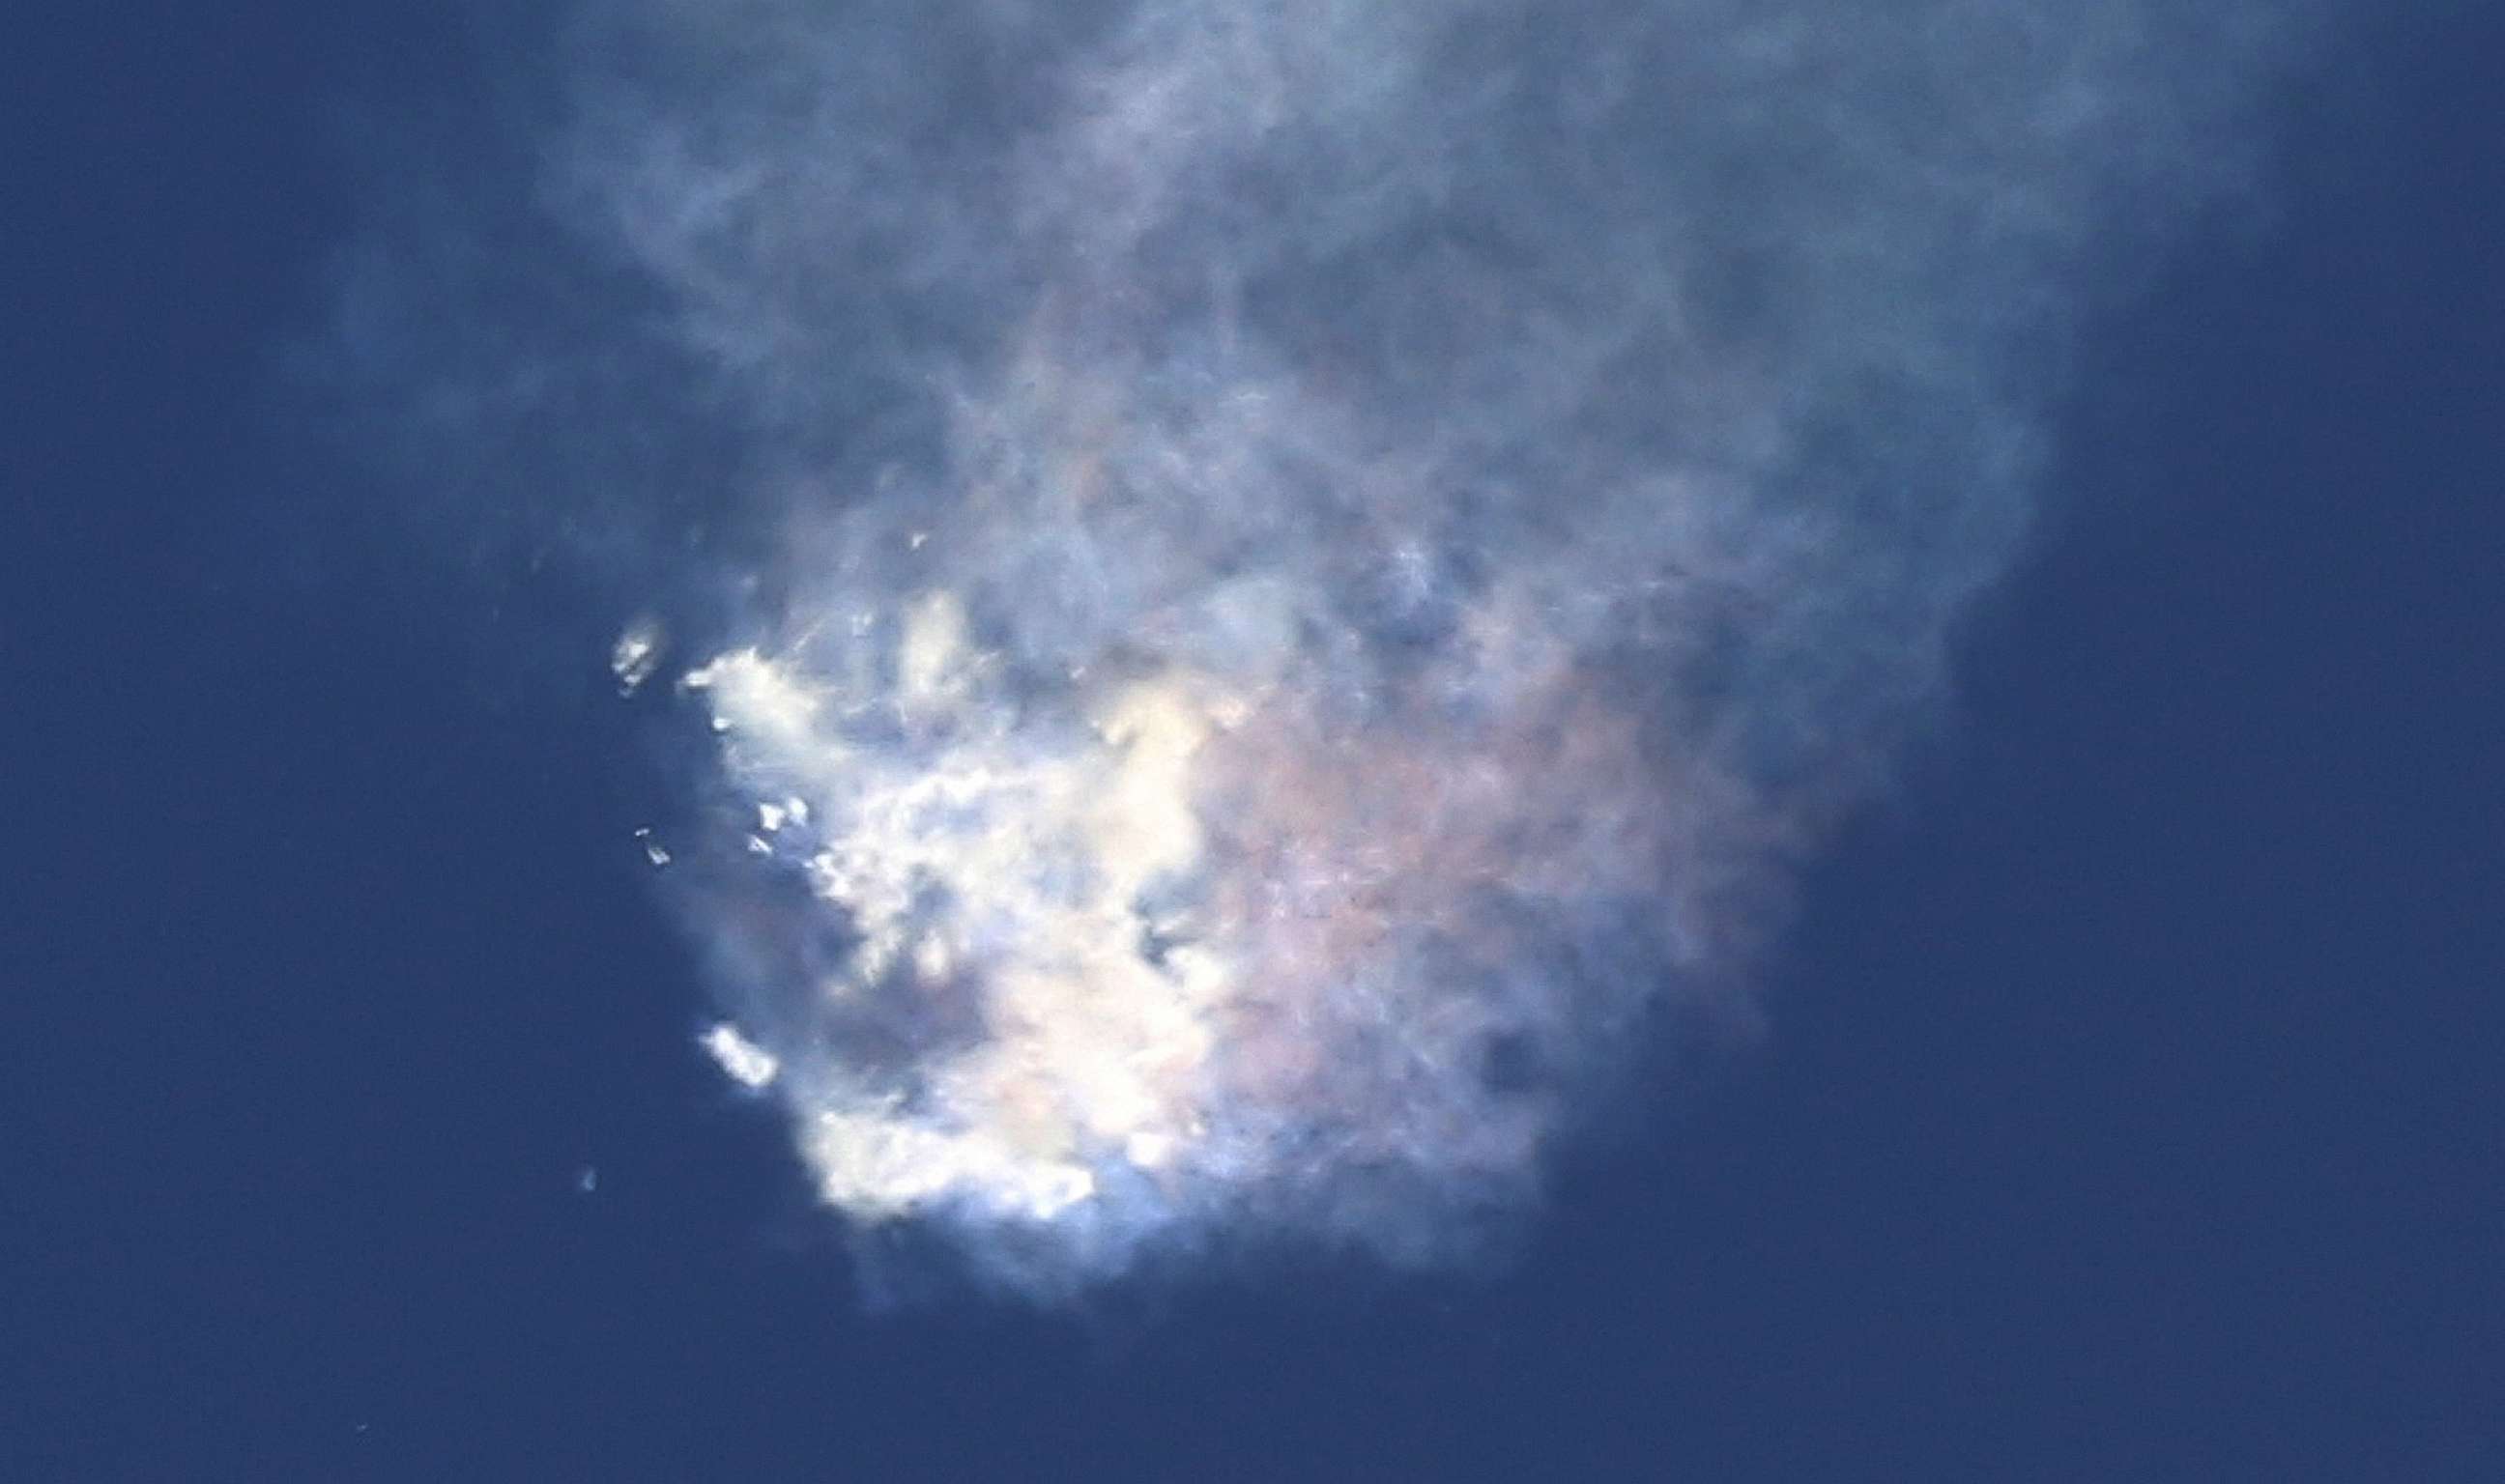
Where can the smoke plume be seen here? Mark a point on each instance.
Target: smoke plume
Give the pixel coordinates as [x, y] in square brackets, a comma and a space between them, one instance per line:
[1273, 583]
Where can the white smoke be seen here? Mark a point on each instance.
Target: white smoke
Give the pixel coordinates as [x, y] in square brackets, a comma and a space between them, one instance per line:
[1299, 567]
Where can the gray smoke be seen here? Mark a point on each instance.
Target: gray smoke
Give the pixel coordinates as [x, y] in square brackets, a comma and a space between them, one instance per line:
[1271, 577]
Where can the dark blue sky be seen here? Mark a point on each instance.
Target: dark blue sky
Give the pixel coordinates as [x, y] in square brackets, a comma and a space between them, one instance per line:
[2128, 1110]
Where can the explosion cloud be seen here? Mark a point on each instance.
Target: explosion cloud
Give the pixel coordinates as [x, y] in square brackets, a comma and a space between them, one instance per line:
[1308, 562]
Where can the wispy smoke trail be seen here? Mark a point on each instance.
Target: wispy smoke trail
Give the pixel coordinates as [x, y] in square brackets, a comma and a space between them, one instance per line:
[1320, 555]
